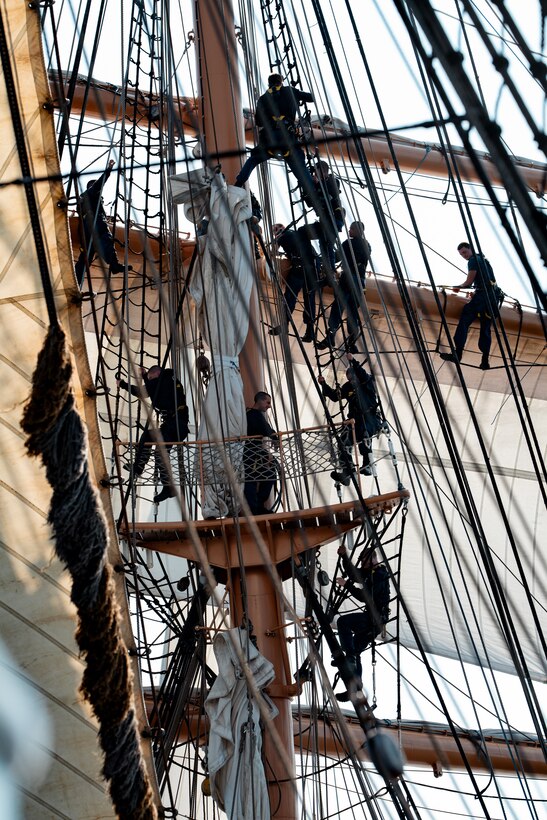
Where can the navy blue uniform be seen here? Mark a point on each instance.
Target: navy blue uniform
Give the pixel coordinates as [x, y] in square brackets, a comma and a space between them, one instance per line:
[362, 398]
[168, 398]
[96, 232]
[260, 472]
[302, 274]
[275, 118]
[356, 630]
[352, 283]
[483, 306]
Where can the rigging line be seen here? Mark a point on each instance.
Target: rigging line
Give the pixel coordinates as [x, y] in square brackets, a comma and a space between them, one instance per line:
[519, 235]
[494, 485]
[537, 68]
[501, 65]
[65, 108]
[488, 131]
[463, 29]
[402, 227]
[455, 454]
[450, 684]
[506, 342]
[24, 160]
[503, 355]
[463, 560]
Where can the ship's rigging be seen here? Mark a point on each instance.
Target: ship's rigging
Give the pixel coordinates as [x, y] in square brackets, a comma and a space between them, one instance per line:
[485, 577]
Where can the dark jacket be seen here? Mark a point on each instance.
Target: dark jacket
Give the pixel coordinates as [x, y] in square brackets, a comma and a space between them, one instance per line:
[360, 395]
[91, 206]
[276, 112]
[485, 279]
[357, 254]
[328, 193]
[298, 249]
[373, 589]
[167, 396]
[254, 452]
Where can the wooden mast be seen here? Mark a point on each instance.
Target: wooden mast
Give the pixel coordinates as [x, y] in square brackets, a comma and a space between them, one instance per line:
[222, 130]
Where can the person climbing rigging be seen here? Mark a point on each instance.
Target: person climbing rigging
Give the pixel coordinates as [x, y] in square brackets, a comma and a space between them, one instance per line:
[483, 305]
[327, 192]
[351, 285]
[275, 119]
[97, 238]
[259, 463]
[359, 391]
[302, 275]
[368, 583]
[169, 399]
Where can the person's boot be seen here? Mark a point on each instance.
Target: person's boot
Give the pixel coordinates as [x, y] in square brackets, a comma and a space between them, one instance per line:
[351, 347]
[344, 475]
[450, 357]
[309, 335]
[485, 364]
[366, 469]
[328, 341]
[167, 492]
[117, 267]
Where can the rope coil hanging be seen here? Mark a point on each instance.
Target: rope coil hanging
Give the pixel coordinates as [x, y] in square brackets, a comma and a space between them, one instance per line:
[56, 434]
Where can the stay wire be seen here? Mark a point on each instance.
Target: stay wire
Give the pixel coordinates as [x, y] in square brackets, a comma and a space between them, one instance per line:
[24, 160]
[515, 648]
[409, 314]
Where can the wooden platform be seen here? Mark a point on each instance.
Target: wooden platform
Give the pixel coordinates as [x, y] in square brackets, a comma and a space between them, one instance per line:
[286, 533]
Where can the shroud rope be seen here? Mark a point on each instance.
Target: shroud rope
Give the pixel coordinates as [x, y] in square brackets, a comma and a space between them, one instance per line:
[56, 433]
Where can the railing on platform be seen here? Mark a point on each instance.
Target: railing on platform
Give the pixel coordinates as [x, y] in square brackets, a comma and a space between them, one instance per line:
[214, 467]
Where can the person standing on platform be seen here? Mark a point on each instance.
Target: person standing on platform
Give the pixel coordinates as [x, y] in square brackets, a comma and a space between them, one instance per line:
[169, 399]
[260, 466]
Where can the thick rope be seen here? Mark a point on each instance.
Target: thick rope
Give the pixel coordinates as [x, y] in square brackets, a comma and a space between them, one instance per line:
[56, 433]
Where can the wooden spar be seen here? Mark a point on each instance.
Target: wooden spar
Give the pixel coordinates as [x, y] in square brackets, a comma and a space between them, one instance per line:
[423, 744]
[221, 127]
[104, 102]
[253, 596]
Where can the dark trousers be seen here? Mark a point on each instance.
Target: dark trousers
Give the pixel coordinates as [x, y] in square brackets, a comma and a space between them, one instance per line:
[355, 631]
[171, 428]
[478, 307]
[99, 243]
[295, 158]
[325, 231]
[260, 479]
[348, 295]
[301, 279]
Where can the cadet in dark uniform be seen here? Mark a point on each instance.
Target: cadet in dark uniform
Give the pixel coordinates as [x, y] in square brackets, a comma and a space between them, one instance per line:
[303, 274]
[97, 238]
[359, 391]
[327, 192]
[168, 398]
[483, 305]
[275, 118]
[352, 283]
[260, 471]
[356, 630]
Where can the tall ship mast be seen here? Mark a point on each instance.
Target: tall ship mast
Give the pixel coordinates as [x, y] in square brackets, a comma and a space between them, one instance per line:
[178, 584]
